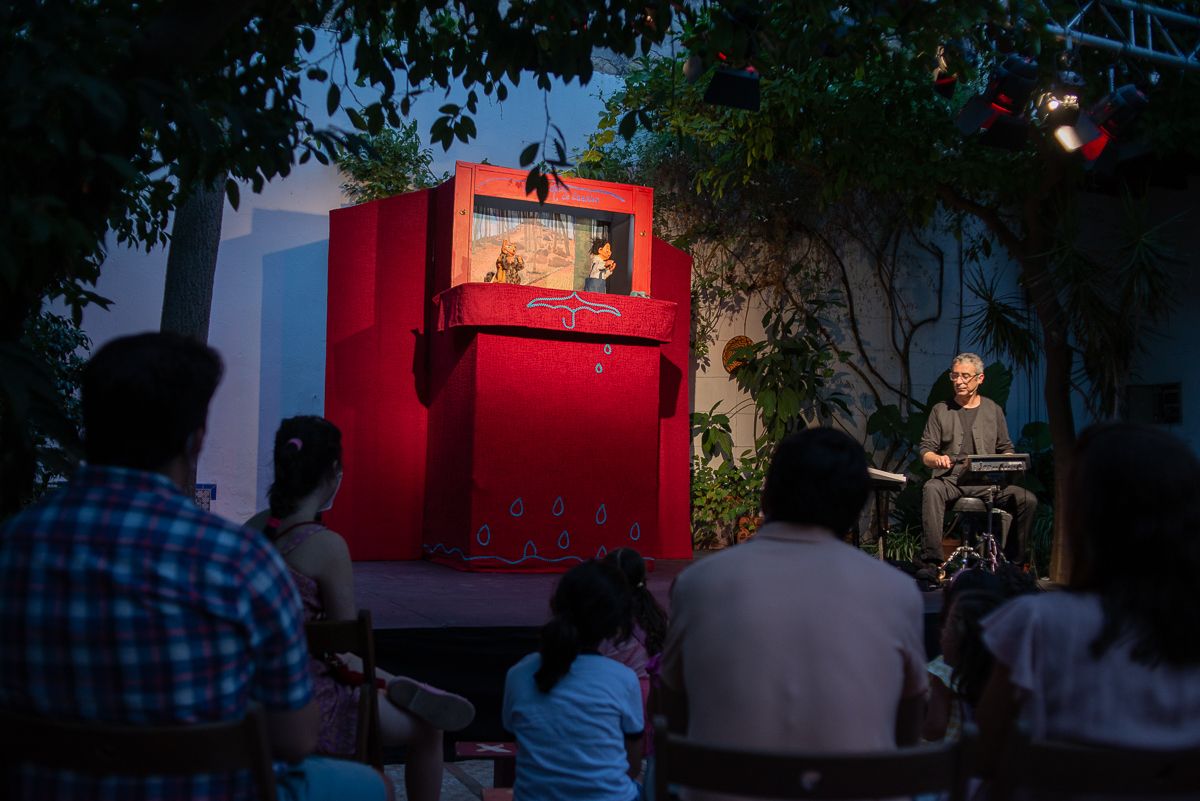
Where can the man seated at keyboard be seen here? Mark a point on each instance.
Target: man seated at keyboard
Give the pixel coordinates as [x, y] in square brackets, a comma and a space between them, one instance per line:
[967, 425]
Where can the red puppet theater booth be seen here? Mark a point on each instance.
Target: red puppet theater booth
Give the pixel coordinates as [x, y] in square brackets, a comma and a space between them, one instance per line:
[498, 412]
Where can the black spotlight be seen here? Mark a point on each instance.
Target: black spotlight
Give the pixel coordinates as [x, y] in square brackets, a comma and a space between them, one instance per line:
[1058, 105]
[1107, 120]
[947, 63]
[999, 112]
[734, 88]
[945, 81]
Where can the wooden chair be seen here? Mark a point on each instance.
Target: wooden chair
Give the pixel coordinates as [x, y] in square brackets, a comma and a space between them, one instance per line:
[109, 749]
[1056, 767]
[680, 762]
[355, 636]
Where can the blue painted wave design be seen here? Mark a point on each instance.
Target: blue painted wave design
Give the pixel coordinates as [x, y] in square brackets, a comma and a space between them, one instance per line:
[460, 554]
[565, 303]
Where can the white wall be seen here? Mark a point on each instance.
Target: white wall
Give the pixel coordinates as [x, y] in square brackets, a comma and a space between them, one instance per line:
[933, 347]
[1170, 354]
[268, 323]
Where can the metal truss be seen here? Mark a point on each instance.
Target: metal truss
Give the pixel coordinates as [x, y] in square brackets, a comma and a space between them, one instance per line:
[1144, 31]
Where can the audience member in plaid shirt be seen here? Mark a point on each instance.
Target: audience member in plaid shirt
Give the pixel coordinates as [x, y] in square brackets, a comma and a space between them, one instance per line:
[120, 600]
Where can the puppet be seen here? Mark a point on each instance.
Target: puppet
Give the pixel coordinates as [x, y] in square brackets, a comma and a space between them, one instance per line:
[508, 266]
[602, 266]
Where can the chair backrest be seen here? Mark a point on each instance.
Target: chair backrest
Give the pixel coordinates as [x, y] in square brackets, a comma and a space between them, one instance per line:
[355, 636]
[685, 763]
[1057, 767]
[110, 749]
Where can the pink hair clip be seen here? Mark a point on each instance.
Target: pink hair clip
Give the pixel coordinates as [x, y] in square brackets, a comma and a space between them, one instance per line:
[296, 441]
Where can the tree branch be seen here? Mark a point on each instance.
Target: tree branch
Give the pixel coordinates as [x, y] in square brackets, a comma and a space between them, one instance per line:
[853, 317]
[989, 216]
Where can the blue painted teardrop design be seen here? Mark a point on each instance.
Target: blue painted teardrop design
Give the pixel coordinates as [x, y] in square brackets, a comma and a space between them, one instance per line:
[564, 540]
[529, 550]
[484, 535]
[608, 349]
[635, 532]
[601, 515]
[558, 507]
[601, 552]
[517, 508]
[599, 369]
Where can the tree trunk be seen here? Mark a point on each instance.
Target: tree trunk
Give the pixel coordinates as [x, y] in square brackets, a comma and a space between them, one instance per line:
[192, 262]
[192, 268]
[1060, 415]
[1061, 418]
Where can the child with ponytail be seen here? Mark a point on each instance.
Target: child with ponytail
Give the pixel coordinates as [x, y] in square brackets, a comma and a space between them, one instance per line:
[642, 649]
[577, 715]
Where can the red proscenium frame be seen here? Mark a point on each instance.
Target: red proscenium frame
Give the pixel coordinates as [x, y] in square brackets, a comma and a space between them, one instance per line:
[476, 180]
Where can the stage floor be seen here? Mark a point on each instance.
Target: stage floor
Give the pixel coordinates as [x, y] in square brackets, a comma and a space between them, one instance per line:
[420, 594]
[463, 631]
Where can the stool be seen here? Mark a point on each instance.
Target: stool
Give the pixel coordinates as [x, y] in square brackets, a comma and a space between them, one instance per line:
[971, 515]
[970, 518]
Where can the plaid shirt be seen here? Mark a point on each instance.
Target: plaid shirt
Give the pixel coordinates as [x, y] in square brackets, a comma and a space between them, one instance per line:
[121, 600]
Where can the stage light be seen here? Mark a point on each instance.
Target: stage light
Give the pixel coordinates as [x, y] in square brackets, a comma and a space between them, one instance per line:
[729, 85]
[945, 81]
[1107, 120]
[1057, 108]
[999, 111]
[734, 81]
[1067, 138]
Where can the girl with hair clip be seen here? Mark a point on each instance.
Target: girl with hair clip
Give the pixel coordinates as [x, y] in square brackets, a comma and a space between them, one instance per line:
[642, 649]
[958, 676]
[308, 473]
[577, 715]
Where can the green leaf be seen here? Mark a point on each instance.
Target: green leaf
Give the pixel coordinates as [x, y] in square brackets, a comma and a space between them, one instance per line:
[374, 114]
[885, 421]
[533, 180]
[996, 384]
[527, 157]
[766, 402]
[1035, 436]
[789, 403]
[232, 192]
[628, 125]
